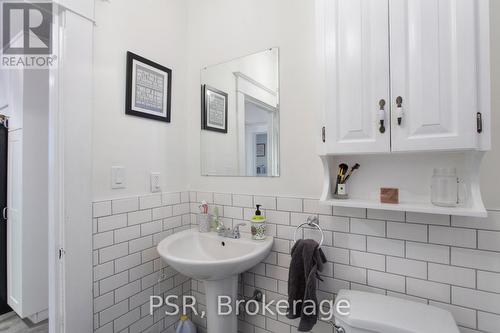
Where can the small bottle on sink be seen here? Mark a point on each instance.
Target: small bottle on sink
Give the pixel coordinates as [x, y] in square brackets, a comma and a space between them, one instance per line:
[258, 225]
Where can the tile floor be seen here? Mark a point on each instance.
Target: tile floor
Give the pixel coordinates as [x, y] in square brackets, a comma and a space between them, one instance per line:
[11, 323]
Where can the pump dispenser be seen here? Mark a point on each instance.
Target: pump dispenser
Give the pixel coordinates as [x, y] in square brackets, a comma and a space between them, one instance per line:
[258, 225]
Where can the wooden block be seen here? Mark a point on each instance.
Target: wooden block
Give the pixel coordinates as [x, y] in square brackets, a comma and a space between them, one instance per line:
[389, 195]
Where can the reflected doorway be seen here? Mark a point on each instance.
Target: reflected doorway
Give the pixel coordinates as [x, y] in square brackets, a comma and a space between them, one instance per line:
[261, 138]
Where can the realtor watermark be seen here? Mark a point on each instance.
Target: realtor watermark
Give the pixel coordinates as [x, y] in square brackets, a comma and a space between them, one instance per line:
[171, 307]
[325, 310]
[27, 41]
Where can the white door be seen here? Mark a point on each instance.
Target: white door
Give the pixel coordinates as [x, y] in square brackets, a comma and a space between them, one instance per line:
[433, 71]
[70, 300]
[77, 118]
[14, 221]
[357, 76]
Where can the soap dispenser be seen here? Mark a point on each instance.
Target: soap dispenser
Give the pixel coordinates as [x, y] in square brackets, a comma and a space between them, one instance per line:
[258, 225]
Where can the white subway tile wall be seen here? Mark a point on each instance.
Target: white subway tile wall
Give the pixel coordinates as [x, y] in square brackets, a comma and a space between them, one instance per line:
[452, 263]
[127, 267]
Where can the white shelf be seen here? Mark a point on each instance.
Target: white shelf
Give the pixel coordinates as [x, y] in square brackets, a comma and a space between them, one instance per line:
[407, 207]
[411, 174]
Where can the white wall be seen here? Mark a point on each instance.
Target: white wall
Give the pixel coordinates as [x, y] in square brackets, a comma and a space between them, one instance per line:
[143, 145]
[253, 25]
[490, 182]
[155, 30]
[247, 27]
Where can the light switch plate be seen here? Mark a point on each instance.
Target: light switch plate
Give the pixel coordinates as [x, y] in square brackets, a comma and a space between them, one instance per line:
[155, 182]
[118, 177]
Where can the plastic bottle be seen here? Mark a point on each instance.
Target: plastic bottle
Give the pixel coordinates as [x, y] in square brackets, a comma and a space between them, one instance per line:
[258, 226]
[185, 326]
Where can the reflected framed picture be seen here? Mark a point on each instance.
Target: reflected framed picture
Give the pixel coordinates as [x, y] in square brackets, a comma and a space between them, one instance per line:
[260, 150]
[214, 109]
[149, 89]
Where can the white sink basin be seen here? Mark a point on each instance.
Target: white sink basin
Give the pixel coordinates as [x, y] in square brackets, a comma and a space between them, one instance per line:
[217, 261]
[207, 256]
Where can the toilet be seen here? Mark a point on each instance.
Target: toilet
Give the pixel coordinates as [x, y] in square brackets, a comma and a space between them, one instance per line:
[369, 312]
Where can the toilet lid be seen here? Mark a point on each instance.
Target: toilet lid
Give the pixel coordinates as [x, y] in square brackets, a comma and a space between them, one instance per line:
[380, 313]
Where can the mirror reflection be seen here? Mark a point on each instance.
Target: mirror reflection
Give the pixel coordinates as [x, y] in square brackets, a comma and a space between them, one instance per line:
[240, 116]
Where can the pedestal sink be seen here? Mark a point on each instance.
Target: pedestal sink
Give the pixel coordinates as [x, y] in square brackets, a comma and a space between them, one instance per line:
[217, 261]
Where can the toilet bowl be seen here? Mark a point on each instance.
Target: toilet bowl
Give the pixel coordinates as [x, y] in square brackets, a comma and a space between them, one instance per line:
[362, 312]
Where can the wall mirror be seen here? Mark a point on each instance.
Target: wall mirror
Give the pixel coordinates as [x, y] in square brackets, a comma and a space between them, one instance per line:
[240, 116]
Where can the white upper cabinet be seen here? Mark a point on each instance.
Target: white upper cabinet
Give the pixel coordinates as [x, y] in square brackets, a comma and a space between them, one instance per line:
[427, 59]
[357, 76]
[433, 73]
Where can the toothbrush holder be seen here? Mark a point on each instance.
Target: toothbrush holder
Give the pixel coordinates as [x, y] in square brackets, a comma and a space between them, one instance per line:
[341, 192]
[204, 222]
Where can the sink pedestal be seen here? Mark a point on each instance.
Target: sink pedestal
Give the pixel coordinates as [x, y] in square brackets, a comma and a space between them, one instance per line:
[214, 289]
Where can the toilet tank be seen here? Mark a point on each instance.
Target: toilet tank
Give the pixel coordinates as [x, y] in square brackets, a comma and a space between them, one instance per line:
[363, 312]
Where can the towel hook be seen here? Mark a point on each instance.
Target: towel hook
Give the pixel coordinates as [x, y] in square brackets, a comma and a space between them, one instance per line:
[312, 221]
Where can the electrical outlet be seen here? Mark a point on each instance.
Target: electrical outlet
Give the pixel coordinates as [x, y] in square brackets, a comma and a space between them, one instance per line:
[155, 182]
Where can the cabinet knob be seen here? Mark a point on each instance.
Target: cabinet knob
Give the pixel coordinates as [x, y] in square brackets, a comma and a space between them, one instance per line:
[399, 109]
[381, 115]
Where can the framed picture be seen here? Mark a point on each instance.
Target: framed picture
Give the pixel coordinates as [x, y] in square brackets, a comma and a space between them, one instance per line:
[149, 89]
[214, 110]
[260, 150]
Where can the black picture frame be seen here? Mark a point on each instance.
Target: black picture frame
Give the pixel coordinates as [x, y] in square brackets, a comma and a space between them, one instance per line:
[262, 148]
[130, 94]
[205, 125]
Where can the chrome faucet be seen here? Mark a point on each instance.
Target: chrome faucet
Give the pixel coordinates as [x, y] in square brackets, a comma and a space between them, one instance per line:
[228, 232]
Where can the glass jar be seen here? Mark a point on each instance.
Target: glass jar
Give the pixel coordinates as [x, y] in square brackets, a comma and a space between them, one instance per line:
[204, 222]
[445, 188]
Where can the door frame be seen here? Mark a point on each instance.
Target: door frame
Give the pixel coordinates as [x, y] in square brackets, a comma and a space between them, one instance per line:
[55, 195]
[272, 134]
[250, 90]
[4, 308]
[70, 172]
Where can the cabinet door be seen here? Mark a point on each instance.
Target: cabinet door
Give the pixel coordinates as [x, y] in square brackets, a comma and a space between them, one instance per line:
[433, 70]
[357, 76]
[14, 221]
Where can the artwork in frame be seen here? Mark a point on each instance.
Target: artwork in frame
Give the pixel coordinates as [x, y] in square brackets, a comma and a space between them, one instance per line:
[214, 110]
[261, 150]
[149, 89]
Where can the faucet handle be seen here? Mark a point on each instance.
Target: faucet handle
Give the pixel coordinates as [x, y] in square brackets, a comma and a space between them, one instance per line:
[236, 230]
[220, 229]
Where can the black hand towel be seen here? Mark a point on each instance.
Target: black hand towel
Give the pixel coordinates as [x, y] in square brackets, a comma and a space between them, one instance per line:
[307, 261]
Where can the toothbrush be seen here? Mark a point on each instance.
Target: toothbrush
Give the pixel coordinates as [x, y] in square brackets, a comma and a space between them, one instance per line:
[204, 207]
[342, 170]
[355, 167]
